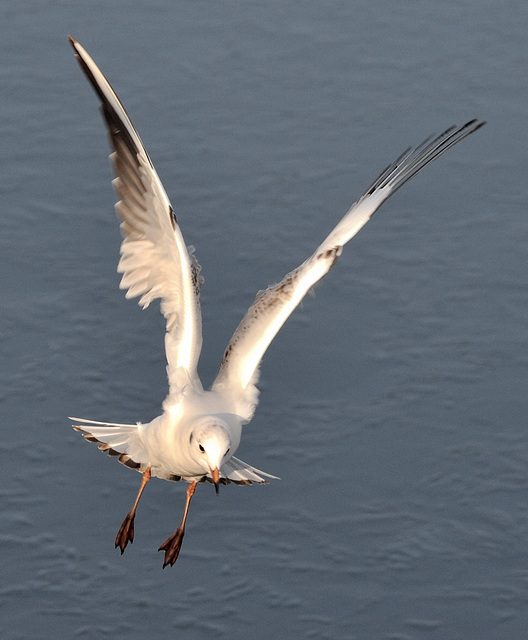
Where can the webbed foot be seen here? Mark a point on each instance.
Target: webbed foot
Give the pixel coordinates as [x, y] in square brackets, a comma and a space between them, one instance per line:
[172, 546]
[125, 533]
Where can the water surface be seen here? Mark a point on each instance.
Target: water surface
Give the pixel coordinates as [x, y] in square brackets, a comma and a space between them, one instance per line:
[393, 403]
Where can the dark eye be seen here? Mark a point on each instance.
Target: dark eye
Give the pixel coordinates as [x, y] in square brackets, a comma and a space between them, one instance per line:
[227, 451]
[201, 448]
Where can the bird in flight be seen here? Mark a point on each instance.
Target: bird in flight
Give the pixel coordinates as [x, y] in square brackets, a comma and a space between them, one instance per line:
[198, 433]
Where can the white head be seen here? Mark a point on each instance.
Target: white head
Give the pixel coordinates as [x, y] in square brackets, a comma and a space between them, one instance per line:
[210, 445]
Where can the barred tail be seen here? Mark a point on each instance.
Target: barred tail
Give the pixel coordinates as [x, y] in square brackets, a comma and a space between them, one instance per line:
[117, 439]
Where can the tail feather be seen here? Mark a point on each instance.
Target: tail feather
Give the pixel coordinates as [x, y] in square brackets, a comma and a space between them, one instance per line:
[239, 472]
[112, 437]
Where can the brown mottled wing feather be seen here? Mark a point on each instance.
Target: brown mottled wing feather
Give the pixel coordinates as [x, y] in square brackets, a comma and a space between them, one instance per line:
[238, 372]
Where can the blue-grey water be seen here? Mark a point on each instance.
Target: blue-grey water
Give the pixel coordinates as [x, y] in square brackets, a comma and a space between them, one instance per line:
[393, 403]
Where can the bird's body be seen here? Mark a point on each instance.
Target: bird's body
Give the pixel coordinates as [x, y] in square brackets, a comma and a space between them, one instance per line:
[199, 431]
[165, 443]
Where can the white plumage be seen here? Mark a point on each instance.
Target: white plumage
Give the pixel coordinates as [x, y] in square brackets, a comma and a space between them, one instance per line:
[198, 433]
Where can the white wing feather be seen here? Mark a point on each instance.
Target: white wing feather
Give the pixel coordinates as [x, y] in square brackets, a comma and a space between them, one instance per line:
[238, 372]
[155, 262]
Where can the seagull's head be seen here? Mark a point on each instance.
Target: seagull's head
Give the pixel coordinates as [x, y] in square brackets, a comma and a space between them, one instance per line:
[210, 445]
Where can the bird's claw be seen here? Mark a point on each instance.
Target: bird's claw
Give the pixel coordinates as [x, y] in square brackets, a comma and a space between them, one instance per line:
[172, 546]
[125, 533]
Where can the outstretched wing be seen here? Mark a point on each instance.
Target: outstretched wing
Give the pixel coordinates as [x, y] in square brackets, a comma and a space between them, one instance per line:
[155, 262]
[238, 372]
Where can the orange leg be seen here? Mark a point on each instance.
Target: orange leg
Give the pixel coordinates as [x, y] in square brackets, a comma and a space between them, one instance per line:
[172, 544]
[126, 532]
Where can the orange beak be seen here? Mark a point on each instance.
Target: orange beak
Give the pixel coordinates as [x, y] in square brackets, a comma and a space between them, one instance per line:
[215, 474]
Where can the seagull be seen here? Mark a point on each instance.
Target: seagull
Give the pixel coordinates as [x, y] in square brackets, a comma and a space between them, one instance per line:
[198, 433]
